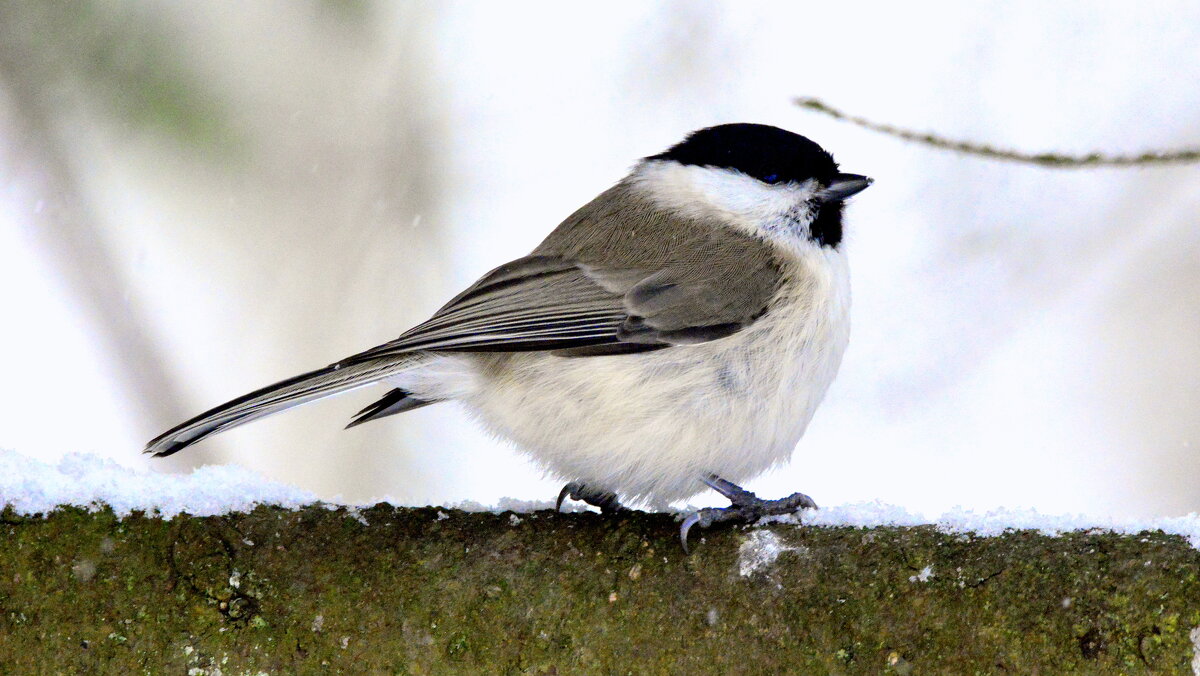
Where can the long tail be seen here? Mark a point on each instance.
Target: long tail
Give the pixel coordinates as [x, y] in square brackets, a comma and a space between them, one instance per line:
[272, 399]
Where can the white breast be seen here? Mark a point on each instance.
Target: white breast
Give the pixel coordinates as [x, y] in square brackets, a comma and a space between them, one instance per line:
[648, 426]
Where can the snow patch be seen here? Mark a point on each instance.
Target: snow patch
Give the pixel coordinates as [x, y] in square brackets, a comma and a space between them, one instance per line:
[30, 486]
[1195, 636]
[759, 551]
[517, 506]
[923, 576]
[995, 522]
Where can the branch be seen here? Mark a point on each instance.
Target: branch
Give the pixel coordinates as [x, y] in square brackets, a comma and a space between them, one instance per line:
[388, 590]
[1051, 160]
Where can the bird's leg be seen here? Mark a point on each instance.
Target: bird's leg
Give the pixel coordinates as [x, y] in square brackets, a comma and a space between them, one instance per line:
[746, 508]
[607, 502]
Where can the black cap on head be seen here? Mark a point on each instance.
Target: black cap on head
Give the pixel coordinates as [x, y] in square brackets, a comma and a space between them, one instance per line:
[770, 154]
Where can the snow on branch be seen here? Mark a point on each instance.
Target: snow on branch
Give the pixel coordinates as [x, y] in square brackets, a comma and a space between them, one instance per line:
[29, 486]
[129, 580]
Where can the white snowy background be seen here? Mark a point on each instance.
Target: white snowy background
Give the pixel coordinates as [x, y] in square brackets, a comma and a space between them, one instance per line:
[1023, 338]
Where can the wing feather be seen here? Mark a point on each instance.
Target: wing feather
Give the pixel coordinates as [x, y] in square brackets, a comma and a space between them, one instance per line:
[550, 303]
[618, 276]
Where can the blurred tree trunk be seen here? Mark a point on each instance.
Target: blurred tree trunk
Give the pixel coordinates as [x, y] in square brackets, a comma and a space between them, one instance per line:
[35, 57]
[292, 194]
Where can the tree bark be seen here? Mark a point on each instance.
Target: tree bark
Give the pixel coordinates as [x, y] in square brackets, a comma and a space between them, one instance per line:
[431, 591]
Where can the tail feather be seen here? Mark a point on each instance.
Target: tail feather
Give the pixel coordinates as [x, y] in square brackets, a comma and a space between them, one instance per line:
[395, 401]
[272, 399]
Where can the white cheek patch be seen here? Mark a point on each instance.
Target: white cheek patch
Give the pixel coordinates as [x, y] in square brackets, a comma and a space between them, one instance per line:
[742, 201]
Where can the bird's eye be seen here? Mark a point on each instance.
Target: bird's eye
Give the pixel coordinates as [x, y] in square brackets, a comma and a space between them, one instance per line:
[771, 178]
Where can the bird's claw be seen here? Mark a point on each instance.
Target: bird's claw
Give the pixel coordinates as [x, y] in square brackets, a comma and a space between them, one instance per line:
[746, 507]
[692, 520]
[562, 495]
[606, 501]
[705, 518]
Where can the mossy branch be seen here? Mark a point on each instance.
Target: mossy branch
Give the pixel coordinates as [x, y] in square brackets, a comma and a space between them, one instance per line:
[429, 591]
[1051, 160]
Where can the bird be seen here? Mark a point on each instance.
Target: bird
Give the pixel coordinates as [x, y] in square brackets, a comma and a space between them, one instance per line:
[675, 333]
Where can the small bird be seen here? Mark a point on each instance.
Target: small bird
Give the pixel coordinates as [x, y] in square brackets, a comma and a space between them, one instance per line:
[676, 332]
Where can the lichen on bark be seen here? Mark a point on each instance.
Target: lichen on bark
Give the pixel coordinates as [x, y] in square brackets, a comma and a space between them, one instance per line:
[430, 591]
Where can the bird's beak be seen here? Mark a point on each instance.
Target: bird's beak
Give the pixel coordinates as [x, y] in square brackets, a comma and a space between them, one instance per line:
[843, 186]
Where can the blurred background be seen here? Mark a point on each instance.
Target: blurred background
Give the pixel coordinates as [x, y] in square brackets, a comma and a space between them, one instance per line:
[198, 199]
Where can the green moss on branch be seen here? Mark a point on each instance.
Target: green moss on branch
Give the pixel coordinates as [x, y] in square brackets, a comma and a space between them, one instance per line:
[428, 591]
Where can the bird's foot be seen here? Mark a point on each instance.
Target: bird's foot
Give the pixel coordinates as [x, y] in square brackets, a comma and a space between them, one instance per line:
[607, 502]
[746, 508]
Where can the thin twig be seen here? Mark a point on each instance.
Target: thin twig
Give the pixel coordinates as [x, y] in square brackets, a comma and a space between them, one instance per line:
[1053, 160]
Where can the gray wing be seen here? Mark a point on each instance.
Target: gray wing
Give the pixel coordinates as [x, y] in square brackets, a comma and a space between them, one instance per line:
[550, 303]
[619, 275]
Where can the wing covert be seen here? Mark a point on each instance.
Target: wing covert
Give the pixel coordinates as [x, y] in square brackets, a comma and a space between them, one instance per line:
[551, 303]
